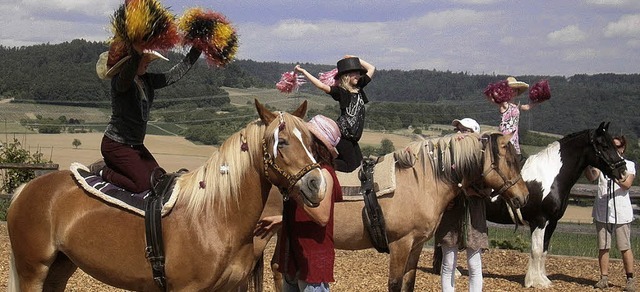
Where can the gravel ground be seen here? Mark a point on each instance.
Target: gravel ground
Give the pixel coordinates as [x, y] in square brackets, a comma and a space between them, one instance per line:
[367, 271]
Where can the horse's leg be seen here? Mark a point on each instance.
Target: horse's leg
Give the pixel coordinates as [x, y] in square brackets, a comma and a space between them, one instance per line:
[551, 227]
[409, 279]
[25, 276]
[535, 276]
[399, 252]
[59, 273]
[437, 259]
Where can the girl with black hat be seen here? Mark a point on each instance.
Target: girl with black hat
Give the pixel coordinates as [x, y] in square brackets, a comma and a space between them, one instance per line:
[353, 74]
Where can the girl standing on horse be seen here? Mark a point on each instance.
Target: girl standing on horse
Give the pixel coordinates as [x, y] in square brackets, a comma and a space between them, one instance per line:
[306, 253]
[129, 163]
[353, 74]
[509, 111]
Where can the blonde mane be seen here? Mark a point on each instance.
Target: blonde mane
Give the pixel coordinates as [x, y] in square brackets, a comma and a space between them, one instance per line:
[452, 157]
[223, 174]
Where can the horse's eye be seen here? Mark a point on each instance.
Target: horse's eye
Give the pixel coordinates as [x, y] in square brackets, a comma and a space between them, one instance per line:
[282, 142]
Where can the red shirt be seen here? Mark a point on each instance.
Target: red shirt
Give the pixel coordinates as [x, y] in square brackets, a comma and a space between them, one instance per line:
[310, 246]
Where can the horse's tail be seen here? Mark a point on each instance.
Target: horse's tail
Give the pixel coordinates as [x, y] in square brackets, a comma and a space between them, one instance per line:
[13, 285]
[17, 191]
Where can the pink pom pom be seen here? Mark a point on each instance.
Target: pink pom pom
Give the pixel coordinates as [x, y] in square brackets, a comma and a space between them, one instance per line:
[540, 91]
[289, 82]
[499, 92]
[328, 78]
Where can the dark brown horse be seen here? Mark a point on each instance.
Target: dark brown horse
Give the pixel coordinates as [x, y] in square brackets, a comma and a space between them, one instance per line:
[56, 227]
[444, 167]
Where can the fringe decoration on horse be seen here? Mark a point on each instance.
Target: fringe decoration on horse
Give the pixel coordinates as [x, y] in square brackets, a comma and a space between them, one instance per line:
[540, 91]
[211, 33]
[289, 82]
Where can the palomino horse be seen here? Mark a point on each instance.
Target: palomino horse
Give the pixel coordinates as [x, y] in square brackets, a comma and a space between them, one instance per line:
[412, 212]
[56, 227]
[550, 174]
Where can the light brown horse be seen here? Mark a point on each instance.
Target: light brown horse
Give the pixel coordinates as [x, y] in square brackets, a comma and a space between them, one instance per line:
[56, 227]
[444, 167]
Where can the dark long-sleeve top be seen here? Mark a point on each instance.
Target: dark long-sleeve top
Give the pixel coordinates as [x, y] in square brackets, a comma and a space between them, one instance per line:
[132, 97]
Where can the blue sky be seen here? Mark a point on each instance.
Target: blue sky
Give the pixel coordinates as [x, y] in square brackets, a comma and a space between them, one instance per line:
[541, 37]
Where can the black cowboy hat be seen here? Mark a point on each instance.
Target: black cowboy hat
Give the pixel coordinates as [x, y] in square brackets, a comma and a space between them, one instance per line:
[347, 65]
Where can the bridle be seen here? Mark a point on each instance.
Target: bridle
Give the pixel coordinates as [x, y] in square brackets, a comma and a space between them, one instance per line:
[507, 183]
[599, 154]
[269, 162]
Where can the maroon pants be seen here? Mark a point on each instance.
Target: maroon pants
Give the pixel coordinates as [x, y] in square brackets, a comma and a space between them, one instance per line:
[127, 166]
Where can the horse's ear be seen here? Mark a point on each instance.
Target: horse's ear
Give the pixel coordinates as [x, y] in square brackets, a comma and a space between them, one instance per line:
[601, 127]
[301, 111]
[505, 139]
[606, 126]
[265, 115]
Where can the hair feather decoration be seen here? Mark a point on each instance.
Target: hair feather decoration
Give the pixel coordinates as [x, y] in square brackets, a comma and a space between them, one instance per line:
[540, 91]
[211, 33]
[289, 82]
[145, 23]
[499, 92]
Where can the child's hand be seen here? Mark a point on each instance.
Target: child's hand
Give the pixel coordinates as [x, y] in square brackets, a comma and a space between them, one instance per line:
[267, 224]
[298, 69]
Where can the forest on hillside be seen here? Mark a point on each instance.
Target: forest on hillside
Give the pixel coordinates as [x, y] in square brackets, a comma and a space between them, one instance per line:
[65, 74]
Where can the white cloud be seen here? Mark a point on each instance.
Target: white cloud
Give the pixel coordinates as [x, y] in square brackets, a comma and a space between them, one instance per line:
[567, 35]
[615, 3]
[453, 18]
[580, 54]
[294, 29]
[626, 26]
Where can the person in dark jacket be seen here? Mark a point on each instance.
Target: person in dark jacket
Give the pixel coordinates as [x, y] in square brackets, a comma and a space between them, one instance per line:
[129, 164]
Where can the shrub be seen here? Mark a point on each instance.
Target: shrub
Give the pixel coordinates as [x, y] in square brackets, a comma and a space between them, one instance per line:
[15, 153]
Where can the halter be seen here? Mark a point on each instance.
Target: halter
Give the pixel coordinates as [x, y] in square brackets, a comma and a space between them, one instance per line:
[507, 183]
[269, 162]
[612, 165]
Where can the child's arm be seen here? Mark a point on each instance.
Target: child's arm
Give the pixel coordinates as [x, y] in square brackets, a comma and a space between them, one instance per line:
[315, 81]
[370, 68]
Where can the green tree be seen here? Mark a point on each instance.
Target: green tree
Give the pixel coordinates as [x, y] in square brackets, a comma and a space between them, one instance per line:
[76, 143]
[386, 147]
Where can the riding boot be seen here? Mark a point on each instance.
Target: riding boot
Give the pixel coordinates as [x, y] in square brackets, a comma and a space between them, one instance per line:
[97, 166]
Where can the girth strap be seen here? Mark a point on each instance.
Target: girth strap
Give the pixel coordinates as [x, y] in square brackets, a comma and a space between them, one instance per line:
[372, 216]
[153, 224]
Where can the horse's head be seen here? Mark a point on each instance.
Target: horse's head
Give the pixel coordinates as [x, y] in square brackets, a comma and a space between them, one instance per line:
[501, 169]
[605, 155]
[288, 161]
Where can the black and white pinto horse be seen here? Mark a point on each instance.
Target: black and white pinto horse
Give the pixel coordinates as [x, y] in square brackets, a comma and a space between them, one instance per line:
[550, 174]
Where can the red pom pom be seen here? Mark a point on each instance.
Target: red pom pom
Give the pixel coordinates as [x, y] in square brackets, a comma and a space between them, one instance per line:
[499, 92]
[540, 91]
[289, 82]
[328, 78]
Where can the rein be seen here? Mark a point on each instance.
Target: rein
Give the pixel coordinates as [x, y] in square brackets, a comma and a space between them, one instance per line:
[269, 162]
